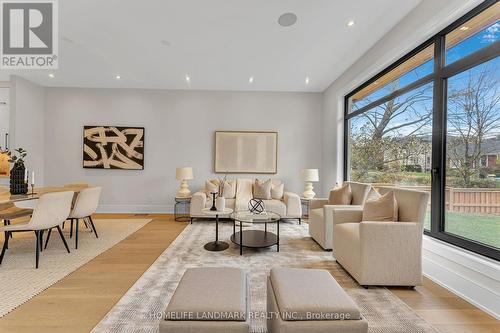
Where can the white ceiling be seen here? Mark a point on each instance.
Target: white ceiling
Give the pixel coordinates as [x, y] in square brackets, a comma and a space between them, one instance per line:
[218, 43]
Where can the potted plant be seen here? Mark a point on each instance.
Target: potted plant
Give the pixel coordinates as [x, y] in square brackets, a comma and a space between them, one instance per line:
[18, 174]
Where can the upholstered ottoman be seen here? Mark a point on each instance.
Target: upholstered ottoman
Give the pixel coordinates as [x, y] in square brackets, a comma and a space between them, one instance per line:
[209, 300]
[310, 300]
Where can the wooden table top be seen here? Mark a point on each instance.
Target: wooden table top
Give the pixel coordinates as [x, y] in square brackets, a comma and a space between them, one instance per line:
[7, 198]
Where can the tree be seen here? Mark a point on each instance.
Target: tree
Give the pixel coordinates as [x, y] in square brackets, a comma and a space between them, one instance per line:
[473, 114]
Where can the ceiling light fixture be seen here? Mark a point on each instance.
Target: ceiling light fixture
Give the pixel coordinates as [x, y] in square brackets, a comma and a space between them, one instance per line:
[307, 80]
[188, 79]
[250, 79]
[118, 77]
[52, 76]
[350, 23]
[287, 19]
[165, 42]
[464, 28]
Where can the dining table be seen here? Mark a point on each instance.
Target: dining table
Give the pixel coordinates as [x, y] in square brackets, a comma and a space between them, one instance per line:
[7, 198]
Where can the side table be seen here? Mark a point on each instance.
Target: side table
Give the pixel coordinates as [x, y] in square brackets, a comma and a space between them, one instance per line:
[181, 209]
[217, 245]
[305, 207]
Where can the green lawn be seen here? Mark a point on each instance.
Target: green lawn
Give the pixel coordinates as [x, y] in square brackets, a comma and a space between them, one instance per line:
[481, 228]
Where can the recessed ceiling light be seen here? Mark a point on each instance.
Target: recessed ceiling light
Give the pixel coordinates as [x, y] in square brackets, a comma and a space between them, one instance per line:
[250, 79]
[307, 80]
[350, 23]
[464, 28]
[165, 43]
[118, 77]
[52, 76]
[287, 19]
[188, 79]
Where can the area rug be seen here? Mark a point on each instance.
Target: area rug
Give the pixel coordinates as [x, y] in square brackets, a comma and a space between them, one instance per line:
[141, 308]
[20, 281]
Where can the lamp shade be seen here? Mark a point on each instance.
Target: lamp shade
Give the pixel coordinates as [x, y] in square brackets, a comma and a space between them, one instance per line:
[309, 175]
[185, 173]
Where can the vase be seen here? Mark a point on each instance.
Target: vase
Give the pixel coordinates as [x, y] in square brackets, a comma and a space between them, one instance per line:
[220, 204]
[18, 185]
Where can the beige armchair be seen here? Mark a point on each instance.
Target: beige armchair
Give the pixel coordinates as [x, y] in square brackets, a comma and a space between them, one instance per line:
[383, 253]
[321, 214]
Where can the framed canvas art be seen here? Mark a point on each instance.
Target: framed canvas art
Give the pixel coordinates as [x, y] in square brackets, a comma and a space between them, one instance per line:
[246, 152]
[113, 147]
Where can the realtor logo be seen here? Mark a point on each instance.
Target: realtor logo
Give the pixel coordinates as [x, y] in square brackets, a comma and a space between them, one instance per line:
[29, 34]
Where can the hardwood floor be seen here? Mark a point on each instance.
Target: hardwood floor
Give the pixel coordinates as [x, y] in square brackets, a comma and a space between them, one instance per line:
[78, 302]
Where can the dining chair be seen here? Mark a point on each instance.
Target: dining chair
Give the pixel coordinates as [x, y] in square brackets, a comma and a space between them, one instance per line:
[51, 210]
[85, 205]
[9, 212]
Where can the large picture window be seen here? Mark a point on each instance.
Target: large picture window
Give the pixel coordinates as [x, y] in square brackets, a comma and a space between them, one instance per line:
[431, 121]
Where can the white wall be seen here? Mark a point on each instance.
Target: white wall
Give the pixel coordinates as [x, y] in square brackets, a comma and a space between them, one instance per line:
[179, 127]
[4, 115]
[428, 18]
[27, 130]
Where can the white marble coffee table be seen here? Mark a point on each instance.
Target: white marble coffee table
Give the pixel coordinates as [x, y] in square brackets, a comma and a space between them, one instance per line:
[217, 245]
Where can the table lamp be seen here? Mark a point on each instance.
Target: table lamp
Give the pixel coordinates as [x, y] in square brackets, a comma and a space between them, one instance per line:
[309, 176]
[183, 175]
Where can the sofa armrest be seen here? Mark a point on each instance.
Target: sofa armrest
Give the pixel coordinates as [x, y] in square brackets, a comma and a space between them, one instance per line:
[398, 245]
[198, 201]
[317, 203]
[293, 205]
[343, 214]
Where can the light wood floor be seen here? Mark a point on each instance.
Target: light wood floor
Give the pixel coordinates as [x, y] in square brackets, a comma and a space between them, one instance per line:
[78, 302]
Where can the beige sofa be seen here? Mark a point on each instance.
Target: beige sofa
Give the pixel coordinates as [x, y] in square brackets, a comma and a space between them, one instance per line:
[321, 214]
[288, 206]
[383, 253]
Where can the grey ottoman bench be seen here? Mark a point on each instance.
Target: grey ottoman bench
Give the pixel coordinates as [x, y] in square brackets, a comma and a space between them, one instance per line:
[209, 300]
[310, 300]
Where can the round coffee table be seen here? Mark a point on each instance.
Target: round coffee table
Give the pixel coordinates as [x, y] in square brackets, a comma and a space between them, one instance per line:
[217, 245]
[256, 238]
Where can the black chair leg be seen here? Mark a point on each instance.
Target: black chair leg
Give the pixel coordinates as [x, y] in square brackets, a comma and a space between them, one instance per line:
[63, 239]
[41, 240]
[76, 233]
[71, 229]
[93, 226]
[48, 237]
[5, 246]
[85, 222]
[37, 250]
[63, 224]
[7, 222]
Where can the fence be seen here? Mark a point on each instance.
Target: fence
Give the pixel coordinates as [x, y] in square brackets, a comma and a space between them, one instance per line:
[466, 200]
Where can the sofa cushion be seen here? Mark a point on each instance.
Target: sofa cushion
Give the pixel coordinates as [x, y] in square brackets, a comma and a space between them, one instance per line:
[340, 196]
[210, 293]
[383, 208]
[277, 191]
[311, 294]
[262, 189]
[276, 206]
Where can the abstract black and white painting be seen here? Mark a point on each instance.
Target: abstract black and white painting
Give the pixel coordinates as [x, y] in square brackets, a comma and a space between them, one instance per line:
[112, 147]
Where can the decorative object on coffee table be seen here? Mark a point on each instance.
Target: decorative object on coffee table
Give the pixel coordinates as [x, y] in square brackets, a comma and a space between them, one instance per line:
[309, 176]
[256, 206]
[213, 208]
[18, 173]
[255, 238]
[181, 209]
[183, 175]
[217, 245]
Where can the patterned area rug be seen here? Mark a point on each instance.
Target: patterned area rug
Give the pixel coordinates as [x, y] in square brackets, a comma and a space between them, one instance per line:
[20, 281]
[141, 308]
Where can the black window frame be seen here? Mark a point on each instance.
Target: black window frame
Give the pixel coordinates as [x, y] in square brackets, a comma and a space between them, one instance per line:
[439, 78]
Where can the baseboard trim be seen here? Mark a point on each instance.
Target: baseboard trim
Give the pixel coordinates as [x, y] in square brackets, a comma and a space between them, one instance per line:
[470, 276]
[151, 209]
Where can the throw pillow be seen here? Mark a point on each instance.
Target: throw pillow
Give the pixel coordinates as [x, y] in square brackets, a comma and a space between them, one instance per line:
[230, 189]
[384, 208]
[212, 186]
[340, 196]
[277, 191]
[372, 195]
[262, 189]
